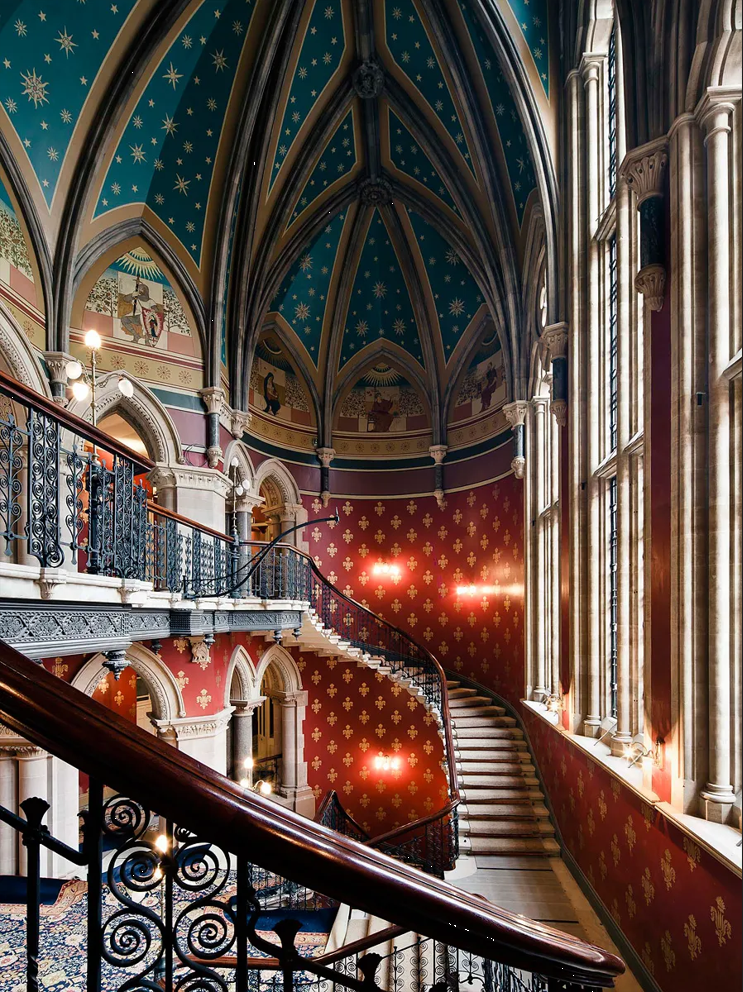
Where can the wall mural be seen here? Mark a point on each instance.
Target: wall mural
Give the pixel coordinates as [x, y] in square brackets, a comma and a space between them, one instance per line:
[382, 402]
[476, 411]
[17, 285]
[277, 395]
[143, 323]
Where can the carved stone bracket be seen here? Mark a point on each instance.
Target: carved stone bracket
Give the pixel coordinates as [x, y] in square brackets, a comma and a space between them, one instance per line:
[643, 169]
[515, 414]
[200, 653]
[375, 192]
[555, 340]
[368, 80]
[56, 362]
[651, 282]
[239, 423]
[438, 453]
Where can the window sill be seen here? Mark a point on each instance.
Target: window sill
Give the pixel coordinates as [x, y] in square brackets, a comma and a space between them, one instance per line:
[717, 839]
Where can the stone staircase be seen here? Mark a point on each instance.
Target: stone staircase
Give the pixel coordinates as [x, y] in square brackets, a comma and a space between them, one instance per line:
[502, 811]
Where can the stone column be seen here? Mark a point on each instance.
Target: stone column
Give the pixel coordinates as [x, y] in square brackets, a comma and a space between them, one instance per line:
[294, 768]
[56, 362]
[644, 170]
[203, 738]
[539, 474]
[8, 799]
[555, 563]
[33, 782]
[242, 733]
[325, 456]
[195, 492]
[515, 414]
[591, 80]
[438, 453]
[718, 793]
[576, 398]
[622, 736]
[213, 398]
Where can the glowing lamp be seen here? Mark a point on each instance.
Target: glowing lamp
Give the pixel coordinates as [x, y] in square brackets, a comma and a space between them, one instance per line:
[248, 763]
[73, 370]
[162, 844]
[80, 390]
[383, 568]
[473, 590]
[265, 788]
[125, 387]
[93, 340]
[384, 763]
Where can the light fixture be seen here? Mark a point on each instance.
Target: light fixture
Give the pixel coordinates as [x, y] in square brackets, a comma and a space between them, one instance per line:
[473, 590]
[263, 787]
[93, 340]
[384, 568]
[125, 387]
[384, 763]
[162, 844]
[80, 390]
[73, 369]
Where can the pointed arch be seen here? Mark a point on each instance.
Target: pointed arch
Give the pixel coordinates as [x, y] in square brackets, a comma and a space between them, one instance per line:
[239, 450]
[165, 693]
[279, 481]
[18, 355]
[115, 241]
[365, 361]
[284, 664]
[242, 667]
[478, 334]
[143, 410]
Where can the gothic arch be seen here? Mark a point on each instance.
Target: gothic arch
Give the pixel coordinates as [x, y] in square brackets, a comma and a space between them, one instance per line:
[284, 664]
[167, 700]
[143, 410]
[278, 482]
[241, 666]
[237, 449]
[18, 355]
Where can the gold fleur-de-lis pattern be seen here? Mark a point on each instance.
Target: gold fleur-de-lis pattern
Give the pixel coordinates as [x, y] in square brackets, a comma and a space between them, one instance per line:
[679, 907]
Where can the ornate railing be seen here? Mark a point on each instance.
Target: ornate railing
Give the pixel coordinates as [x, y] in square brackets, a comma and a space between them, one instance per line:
[181, 906]
[332, 815]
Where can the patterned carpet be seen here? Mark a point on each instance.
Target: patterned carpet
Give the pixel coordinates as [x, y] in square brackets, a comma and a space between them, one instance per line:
[63, 939]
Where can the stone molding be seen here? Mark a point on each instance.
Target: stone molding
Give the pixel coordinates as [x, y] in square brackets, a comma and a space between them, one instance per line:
[515, 412]
[643, 169]
[166, 476]
[650, 281]
[555, 340]
[188, 728]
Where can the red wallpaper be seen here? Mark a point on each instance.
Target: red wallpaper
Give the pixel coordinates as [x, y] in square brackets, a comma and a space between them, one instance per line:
[477, 538]
[121, 696]
[679, 907]
[356, 714]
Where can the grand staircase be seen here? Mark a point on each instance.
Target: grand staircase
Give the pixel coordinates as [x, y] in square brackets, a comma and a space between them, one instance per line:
[502, 812]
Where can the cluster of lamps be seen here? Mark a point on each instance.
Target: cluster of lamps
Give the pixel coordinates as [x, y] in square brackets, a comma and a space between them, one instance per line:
[384, 763]
[383, 568]
[262, 787]
[84, 383]
[473, 590]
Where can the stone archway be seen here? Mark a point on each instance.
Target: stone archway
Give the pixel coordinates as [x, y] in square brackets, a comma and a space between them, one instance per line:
[286, 688]
[17, 355]
[282, 508]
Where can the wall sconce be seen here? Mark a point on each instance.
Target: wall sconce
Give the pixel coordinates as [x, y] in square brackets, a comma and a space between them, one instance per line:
[262, 787]
[473, 590]
[383, 568]
[553, 704]
[384, 763]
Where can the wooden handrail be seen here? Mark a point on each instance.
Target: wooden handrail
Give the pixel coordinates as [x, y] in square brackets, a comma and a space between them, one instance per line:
[161, 511]
[62, 720]
[24, 394]
[330, 797]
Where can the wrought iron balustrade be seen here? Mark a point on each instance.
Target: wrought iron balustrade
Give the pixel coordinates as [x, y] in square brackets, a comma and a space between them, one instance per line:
[183, 906]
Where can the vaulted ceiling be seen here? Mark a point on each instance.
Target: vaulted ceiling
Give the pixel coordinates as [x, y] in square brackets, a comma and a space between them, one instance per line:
[366, 177]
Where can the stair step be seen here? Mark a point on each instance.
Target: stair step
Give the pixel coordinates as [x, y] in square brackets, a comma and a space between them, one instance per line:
[482, 722]
[461, 692]
[496, 756]
[453, 684]
[481, 709]
[502, 767]
[498, 811]
[467, 702]
[537, 846]
[481, 736]
[502, 794]
[498, 781]
[506, 828]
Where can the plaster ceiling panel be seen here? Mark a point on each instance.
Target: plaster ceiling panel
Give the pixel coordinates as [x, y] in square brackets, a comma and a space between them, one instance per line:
[407, 156]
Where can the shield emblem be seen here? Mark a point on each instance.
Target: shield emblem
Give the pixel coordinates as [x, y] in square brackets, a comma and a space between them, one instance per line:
[153, 322]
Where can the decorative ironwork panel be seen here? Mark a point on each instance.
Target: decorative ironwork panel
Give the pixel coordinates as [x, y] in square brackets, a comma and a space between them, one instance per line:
[12, 440]
[43, 490]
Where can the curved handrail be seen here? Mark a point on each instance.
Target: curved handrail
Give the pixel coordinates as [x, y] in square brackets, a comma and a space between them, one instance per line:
[55, 716]
[329, 807]
[161, 511]
[24, 394]
[454, 793]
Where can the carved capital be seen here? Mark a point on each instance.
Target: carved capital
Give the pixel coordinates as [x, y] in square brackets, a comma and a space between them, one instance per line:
[651, 282]
[515, 414]
[368, 80]
[56, 362]
[440, 497]
[518, 464]
[49, 579]
[560, 411]
[555, 340]
[213, 398]
[438, 452]
[239, 423]
[643, 169]
[375, 192]
[214, 456]
[325, 456]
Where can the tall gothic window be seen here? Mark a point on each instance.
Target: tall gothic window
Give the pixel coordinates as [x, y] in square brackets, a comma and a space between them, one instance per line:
[612, 381]
[612, 589]
[612, 112]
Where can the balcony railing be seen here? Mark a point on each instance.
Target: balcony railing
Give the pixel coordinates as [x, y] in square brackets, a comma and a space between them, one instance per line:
[185, 906]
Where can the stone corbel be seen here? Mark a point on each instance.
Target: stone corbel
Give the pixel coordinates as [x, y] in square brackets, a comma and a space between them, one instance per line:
[213, 398]
[200, 652]
[555, 339]
[438, 453]
[49, 579]
[644, 169]
[56, 362]
[325, 456]
[515, 414]
[239, 423]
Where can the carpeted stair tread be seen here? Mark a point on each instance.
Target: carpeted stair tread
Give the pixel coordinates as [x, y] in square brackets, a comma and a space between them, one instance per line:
[459, 713]
[505, 794]
[459, 706]
[506, 828]
[514, 845]
[479, 744]
[460, 692]
[466, 722]
[495, 759]
[499, 811]
[487, 734]
[497, 767]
